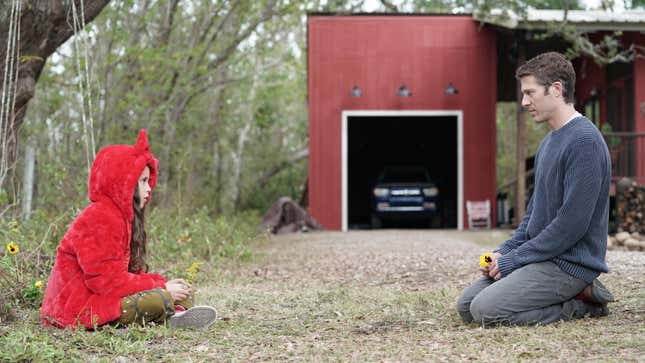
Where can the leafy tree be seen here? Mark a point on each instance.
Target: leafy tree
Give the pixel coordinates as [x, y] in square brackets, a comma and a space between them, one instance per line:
[634, 4]
[220, 85]
[29, 34]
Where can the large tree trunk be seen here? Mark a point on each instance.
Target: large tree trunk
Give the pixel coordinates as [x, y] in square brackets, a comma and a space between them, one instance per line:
[44, 26]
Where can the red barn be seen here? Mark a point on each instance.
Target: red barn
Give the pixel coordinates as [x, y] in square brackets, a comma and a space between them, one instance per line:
[400, 90]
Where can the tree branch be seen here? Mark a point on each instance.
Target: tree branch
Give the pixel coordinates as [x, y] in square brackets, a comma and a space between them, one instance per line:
[391, 7]
[277, 168]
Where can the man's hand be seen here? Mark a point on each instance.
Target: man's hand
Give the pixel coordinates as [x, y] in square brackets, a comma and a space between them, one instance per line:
[493, 270]
[484, 270]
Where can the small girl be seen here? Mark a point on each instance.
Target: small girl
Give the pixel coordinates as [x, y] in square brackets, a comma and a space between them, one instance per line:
[100, 275]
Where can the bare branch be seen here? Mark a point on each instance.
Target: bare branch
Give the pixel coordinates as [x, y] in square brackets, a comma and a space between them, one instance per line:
[391, 7]
[264, 179]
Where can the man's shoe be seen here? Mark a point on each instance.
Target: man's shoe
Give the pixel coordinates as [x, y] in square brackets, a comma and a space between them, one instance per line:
[600, 294]
[596, 310]
[596, 293]
[198, 317]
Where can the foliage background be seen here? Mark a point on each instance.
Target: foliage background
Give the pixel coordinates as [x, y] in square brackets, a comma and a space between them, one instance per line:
[221, 87]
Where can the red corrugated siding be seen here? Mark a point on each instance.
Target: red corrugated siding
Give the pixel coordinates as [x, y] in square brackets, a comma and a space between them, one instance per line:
[378, 53]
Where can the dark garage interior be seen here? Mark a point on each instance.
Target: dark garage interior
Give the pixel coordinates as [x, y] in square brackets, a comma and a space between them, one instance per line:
[375, 142]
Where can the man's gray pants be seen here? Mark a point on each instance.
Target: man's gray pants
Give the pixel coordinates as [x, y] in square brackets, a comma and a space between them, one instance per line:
[535, 294]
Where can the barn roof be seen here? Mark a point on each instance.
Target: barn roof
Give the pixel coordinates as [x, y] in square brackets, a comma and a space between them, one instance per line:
[585, 20]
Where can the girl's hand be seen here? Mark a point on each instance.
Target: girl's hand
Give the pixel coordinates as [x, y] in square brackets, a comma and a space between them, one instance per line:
[182, 282]
[179, 289]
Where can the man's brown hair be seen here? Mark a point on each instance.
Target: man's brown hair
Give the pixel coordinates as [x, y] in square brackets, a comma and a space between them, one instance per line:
[548, 68]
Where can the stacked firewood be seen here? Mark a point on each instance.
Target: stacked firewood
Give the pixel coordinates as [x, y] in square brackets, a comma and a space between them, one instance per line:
[630, 206]
[630, 215]
[625, 240]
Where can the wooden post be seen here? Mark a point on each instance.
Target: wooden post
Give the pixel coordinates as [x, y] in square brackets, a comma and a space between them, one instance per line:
[28, 179]
[520, 197]
[304, 197]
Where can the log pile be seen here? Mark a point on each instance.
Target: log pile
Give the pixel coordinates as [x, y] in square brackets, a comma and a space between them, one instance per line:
[629, 241]
[630, 217]
[630, 206]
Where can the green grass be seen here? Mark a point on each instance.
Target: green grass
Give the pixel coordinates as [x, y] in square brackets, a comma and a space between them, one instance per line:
[277, 318]
[264, 321]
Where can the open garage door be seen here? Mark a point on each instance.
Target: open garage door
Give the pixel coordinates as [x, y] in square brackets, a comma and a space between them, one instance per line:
[377, 142]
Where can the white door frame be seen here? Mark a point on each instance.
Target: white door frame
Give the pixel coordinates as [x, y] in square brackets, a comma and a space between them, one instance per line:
[428, 113]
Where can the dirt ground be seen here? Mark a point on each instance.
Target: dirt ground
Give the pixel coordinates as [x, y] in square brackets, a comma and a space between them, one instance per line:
[405, 259]
[390, 295]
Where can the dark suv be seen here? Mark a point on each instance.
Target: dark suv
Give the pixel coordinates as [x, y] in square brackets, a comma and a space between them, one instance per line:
[405, 193]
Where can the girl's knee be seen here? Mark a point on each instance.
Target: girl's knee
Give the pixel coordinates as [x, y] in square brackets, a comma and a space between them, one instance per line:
[165, 293]
[146, 306]
[160, 301]
[154, 305]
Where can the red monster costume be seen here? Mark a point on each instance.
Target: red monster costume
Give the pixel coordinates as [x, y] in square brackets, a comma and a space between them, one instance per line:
[90, 275]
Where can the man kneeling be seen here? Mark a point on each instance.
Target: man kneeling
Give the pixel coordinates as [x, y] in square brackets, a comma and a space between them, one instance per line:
[548, 270]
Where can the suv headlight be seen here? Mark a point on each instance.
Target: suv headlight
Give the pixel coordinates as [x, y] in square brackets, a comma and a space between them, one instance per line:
[431, 192]
[381, 192]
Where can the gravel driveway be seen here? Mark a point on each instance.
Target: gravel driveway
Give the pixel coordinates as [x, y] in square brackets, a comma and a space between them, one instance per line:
[405, 259]
[389, 295]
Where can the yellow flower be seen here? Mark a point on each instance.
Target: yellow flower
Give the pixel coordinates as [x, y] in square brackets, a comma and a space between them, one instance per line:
[485, 259]
[12, 248]
[191, 272]
[194, 267]
[38, 285]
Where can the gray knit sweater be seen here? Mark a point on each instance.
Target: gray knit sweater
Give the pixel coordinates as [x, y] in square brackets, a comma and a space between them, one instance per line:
[566, 219]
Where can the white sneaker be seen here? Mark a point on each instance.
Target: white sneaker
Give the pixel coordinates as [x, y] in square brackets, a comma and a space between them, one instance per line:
[197, 317]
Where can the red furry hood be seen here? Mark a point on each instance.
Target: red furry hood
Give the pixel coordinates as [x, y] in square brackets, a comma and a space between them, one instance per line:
[116, 170]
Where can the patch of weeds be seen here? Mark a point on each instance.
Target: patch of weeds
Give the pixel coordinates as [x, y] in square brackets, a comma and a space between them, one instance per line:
[414, 311]
[24, 343]
[25, 262]
[198, 238]
[332, 296]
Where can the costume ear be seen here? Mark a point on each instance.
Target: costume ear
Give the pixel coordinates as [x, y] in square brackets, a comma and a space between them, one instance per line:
[142, 144]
